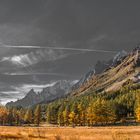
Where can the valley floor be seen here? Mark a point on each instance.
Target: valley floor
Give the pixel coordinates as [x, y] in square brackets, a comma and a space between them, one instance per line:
[67, 133]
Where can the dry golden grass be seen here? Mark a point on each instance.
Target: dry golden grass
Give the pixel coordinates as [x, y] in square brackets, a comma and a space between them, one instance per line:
[82, 133]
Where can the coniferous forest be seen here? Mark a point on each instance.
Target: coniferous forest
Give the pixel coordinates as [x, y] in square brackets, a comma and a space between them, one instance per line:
[91, 109]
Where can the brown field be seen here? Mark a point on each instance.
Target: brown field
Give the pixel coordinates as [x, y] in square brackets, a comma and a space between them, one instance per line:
[67, 133]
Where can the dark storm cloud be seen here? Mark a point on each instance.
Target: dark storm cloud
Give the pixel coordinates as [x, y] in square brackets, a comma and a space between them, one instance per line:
[70, 23]
[71, 27]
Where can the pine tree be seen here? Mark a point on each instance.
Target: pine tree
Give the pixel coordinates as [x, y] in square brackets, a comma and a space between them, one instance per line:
[90, 116]
[3, 115]
[10, 117]
[48, 114]
[80, 115]
[72, 118]
[60, 119]
[66, 115]
[100, 112]
[103, 112]
[28, 116]
[21, 116]
[138, 113]
[83, 118]
[37, 115]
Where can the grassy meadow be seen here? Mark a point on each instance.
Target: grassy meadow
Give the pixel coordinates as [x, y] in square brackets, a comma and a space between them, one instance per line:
[67, 133]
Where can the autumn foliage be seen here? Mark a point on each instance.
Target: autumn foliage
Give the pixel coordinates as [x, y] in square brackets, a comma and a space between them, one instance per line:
[91, 109]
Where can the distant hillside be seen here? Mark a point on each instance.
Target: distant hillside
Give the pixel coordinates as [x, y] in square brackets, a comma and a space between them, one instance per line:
[123, 69]
[99, 68]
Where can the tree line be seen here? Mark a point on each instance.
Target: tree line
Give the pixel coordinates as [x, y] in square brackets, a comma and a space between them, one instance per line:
[90, 109]
[96, 108]
[19, 116]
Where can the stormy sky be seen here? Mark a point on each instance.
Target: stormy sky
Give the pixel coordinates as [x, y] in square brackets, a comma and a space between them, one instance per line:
[42, 41]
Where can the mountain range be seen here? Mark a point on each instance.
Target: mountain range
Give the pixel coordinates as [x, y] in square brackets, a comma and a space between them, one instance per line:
[124, 69]
[104, 76]
[57, 90]
[100, 67]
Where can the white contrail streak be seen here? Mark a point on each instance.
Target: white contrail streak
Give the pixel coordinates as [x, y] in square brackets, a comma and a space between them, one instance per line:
[24, 74]
[60, 48]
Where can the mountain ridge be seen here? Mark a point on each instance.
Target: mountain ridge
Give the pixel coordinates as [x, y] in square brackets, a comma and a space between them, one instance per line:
[100, 67]
[60, 89]
[113, 77]
[105, 76]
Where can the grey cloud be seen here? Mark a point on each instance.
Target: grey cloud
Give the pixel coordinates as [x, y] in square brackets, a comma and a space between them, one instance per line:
[80, 32]
[63, 22]
[34, 57]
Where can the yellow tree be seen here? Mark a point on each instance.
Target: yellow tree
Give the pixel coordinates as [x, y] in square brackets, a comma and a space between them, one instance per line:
[48, 114]
[80, 114]
[16, 116]
[3, 115]
[103, 112]
[66, 115]
[21, 116]
[100, 112]
[37, 115]
[28, 116]
[72, 118]
[60, 119]
[137, 111]
[89, 115]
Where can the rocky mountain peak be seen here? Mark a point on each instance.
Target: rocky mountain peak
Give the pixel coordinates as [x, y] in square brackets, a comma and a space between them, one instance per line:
[118, 58]
[124, 67]
[137, 48]
[84, 79]
[31, 93]
[52, 92]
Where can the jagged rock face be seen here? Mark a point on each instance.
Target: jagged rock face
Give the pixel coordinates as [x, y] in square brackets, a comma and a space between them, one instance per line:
[59, 89]
[30, 99]
[100, 67]
[119, 57]
[113, 78]
[84, 79]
